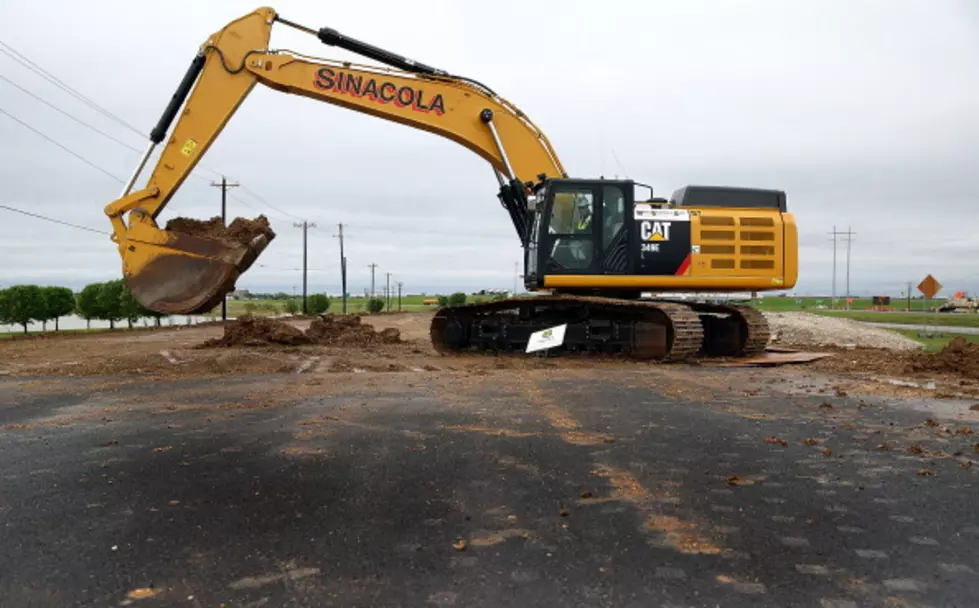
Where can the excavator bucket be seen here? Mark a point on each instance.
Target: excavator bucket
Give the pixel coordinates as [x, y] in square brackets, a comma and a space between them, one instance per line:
[189, 267]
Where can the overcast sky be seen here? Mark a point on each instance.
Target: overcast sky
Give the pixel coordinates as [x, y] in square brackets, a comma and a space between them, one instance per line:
[865, 112]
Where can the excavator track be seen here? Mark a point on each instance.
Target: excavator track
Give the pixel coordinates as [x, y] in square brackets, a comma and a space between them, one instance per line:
[732, 330]
[664, 330]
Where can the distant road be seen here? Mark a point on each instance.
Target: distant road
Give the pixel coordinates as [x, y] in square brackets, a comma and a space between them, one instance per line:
[942, 328]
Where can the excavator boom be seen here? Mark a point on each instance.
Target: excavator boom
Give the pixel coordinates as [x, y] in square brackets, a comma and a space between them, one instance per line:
[175, 272]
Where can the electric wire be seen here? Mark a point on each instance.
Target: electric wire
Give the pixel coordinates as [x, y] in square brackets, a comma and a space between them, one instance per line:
[63, 147]
[27, 63]
[53, 220]
[30, 65]
[68, 114]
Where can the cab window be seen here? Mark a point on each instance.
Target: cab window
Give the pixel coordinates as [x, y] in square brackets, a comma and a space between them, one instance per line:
[613, 213]
[571, 212]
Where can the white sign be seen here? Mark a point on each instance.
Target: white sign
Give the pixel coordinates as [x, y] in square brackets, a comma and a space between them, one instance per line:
[648, 212]
[546, 338]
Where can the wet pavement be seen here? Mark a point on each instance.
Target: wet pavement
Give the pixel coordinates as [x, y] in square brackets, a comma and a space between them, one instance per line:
[661, 488]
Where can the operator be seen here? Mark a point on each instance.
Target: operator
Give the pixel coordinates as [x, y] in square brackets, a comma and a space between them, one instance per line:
[584, 216]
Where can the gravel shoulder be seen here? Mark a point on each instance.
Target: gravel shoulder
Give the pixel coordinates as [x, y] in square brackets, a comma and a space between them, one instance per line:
[805, 329]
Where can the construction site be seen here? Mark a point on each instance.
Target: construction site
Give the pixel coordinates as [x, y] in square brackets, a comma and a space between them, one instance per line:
[272, 462]
[660, 412]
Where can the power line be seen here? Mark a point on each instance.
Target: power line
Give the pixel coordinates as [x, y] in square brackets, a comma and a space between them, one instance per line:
[291, 269]
[51, 219]
[68, 150]
[93, 128]
[27, 63]
[69, 115]
[30, 65]
[270, 205]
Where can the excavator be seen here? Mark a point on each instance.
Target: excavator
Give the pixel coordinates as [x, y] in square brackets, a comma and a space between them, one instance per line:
[621, 269]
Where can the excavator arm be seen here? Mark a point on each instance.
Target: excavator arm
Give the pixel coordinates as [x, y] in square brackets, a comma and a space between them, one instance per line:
[178, 273]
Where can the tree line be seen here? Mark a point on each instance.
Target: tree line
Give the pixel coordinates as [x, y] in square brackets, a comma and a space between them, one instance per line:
[109, 301]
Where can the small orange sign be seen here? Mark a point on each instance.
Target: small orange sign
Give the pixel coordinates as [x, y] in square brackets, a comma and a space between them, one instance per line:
[929, 287]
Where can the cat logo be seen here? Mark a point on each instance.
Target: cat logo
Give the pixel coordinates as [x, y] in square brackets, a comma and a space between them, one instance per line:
[655, 231]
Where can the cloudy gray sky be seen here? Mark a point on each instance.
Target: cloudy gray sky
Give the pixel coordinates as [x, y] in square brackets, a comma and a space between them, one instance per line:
[865, 112]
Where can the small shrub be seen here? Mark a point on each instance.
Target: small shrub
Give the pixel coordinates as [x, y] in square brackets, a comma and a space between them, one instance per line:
[457, 299]
[317, 304]
[375, 305]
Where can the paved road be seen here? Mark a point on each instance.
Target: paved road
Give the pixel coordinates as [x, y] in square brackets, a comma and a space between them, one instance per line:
[942, 328]
[610, 490]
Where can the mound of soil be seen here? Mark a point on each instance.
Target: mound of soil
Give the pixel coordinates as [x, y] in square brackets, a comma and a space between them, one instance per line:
[958, 357]
[259, 331]
[240, 232]
[348, 330]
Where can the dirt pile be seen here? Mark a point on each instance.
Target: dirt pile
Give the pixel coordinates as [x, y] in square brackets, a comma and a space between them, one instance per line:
[259, 331]
[240, 232]
[348, 330]
[957, 357]
[329, 330]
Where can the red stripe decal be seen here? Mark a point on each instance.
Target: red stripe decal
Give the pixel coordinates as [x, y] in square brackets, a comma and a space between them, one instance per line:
[685, 265]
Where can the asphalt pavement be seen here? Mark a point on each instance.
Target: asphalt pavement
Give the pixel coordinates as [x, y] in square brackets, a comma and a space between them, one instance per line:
[540, 489]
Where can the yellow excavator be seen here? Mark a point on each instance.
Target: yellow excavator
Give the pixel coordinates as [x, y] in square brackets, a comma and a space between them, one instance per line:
[593, 250]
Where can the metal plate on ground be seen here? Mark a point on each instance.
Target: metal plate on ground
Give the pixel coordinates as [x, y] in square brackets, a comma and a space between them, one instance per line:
[772, 359]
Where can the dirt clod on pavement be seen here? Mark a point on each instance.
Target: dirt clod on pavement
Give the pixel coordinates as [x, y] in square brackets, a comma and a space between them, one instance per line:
[258, 331]
[240, 232]
[958, 356]
[346, 330]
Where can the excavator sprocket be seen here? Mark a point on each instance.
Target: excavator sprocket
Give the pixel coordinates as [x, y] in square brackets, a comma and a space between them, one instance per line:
[660, 330]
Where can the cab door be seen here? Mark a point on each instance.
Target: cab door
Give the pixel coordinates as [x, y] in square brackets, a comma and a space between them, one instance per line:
[616, 199]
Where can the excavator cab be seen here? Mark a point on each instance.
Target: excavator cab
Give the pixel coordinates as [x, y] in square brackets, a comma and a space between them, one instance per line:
[579, 228]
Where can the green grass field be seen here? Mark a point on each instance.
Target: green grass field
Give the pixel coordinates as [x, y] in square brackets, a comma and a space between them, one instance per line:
[16, 334]
[909, 318]
[937, 342]
[859, 311]
[787, 304]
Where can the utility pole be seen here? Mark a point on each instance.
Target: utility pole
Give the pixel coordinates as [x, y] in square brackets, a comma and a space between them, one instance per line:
[849, 234]
[224, 185]
[343, 268]
[833, 301]
[400, 284]
[387, 293]
[849, 239]
[372, 267]
[515, 275]
[909, 296]
[305, 226]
